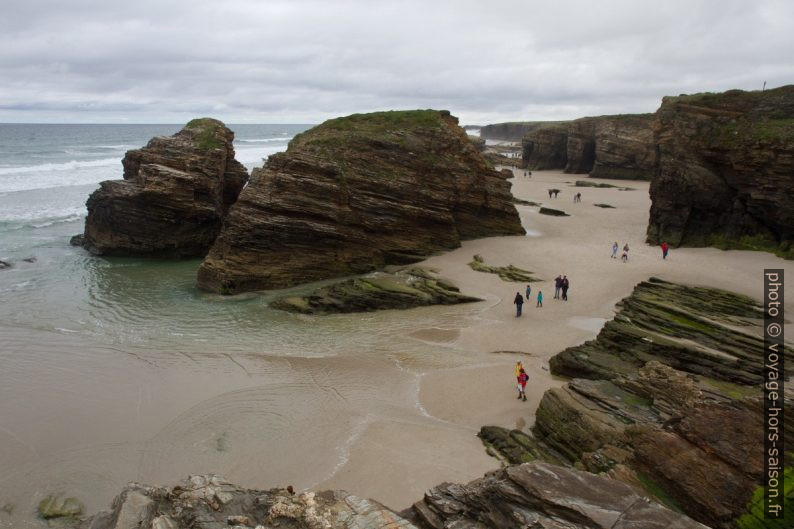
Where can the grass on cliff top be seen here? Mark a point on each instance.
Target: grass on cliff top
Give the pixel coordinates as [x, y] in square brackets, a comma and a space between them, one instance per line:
[207, 127]
[381, 121]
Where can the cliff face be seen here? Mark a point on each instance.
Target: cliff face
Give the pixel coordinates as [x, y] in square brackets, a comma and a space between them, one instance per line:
[512, 131]
[354, 194]
[618, 146]
[726, 170]
[546, 147]
[173, 197]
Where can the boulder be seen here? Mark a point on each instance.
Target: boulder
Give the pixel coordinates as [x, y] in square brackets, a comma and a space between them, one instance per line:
[175, 193]
[725, 171]
[354, 194]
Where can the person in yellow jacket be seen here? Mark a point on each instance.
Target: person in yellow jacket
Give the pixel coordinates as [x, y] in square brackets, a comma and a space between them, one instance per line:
[519, 369]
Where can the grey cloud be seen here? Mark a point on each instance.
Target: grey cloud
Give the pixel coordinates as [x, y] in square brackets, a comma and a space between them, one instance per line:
[305, 61]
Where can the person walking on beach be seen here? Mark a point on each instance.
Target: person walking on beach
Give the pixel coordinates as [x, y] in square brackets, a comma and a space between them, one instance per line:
[556, 192]
[551, 192]
[665, 249]
[565, 284]
[625, 256]
[522, 385]
[540, 299]
[529, 291]
[557, 286]
[519, 301]
[615, 250]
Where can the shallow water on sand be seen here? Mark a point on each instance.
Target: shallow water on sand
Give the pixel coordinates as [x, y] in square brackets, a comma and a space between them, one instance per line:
[114, 370]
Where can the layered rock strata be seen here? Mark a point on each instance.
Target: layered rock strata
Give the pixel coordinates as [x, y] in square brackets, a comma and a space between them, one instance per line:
[619, 146]
[546, 147]
[354, 194]
[725, 171]
[667, 399]
[413, 287]
[172, 200]
[543, 495]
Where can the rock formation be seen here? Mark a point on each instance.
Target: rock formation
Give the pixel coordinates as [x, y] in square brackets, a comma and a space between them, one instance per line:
[174, 195]
[726, 171]
[413, 287]
[543, 495]
[546, 147]
[512, 131]
[532, 495]
[619, 146]
[667, 399]
[354, 194]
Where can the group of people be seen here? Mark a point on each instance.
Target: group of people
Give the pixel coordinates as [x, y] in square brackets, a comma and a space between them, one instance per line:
[561, 284]
[518, 301]
[554, 192]
[625, 255]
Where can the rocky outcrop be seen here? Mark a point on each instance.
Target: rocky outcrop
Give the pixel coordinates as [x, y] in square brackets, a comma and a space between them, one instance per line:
[619, 146]
[666, 398]
[354, 194]
[172, 200]
[726, 171]
[210, 502]
[509, 273]
[414, 287]
[532, 495]
[543, 495]
[546, 147]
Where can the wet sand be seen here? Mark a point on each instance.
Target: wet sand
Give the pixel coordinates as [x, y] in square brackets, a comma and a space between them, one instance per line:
[384, 405]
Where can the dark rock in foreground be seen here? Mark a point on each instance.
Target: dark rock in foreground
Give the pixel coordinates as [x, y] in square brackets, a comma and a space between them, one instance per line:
[667, 399]
[543, 495]
[402, 290]
[357, 193]
[726, 171]
[532, 495]
[174, 195]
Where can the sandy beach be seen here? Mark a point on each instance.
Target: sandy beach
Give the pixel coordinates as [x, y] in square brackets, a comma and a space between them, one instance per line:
[384, 404]
[469, 396]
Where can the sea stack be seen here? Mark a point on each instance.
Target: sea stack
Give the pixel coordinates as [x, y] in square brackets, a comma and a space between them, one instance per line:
[726, 170]
[357, 193]
[174, 195]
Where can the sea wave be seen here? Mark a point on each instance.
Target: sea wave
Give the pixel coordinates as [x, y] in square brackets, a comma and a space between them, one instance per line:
[66, 166]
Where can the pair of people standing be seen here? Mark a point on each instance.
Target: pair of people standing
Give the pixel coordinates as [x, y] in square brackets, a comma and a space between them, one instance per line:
[561, 284]
[521, 379]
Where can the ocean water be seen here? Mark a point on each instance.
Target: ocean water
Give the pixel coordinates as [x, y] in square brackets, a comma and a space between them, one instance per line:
[114, 370]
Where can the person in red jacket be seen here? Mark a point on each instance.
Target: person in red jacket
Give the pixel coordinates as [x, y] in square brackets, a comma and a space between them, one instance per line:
[665, 249]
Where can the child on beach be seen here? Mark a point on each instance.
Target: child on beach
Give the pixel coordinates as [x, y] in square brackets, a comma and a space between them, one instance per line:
[522, 384]
[615, 250]
[665, 249]
[529, 291]
[625, 256]
[540, 299]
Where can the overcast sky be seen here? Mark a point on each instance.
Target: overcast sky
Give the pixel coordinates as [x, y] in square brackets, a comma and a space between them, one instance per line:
[263, 61]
